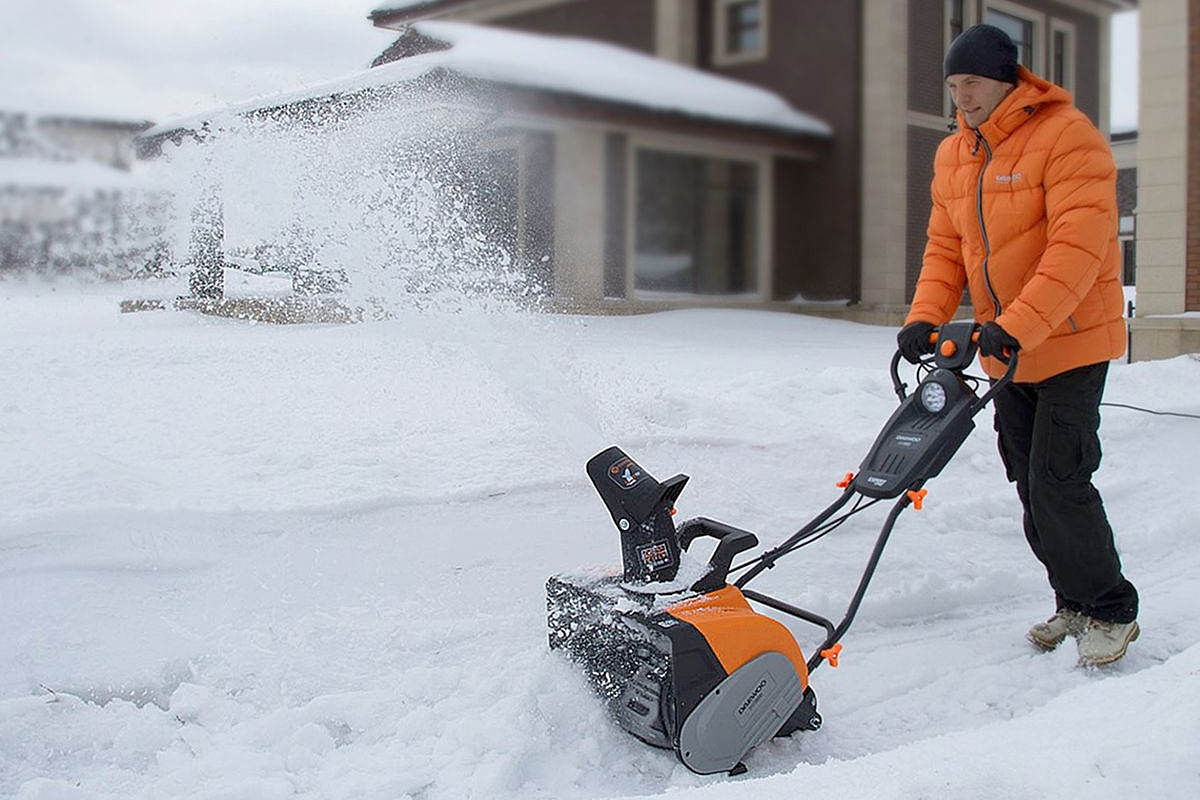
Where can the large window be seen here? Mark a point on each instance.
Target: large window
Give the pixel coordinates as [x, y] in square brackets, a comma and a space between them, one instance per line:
[696, 225]
[741, 30]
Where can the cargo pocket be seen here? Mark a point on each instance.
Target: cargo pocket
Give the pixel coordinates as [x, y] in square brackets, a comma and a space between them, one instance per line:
[1003, 448]
[1072, 444]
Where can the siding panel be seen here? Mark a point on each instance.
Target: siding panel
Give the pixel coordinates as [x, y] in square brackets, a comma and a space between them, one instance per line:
[925, 91]
[922, 145]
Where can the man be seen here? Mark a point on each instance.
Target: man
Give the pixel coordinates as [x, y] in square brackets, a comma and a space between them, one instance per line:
[1024, 217]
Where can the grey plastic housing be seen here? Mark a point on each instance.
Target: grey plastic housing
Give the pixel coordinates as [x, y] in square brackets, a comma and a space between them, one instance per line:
[743, 711]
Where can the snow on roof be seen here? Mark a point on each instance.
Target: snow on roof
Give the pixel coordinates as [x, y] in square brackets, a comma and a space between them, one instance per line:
[39, 173]
[580, 67]
[400, 5]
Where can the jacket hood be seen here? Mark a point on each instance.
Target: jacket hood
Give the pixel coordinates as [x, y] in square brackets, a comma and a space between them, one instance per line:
[1031, 93]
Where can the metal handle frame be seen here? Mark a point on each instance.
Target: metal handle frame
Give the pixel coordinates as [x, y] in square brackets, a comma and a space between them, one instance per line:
[834, 632]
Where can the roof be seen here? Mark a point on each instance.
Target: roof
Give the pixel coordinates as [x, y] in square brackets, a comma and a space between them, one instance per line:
[400, 5]
[397, 10]
[578, 67]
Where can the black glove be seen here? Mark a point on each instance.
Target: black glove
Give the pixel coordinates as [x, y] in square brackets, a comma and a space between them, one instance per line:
[996, 342]
[913, 341]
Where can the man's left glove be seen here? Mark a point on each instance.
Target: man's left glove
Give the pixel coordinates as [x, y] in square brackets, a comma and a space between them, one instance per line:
[996, 342]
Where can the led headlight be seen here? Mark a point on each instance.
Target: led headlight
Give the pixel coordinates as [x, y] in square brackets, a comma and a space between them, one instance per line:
[933, 397]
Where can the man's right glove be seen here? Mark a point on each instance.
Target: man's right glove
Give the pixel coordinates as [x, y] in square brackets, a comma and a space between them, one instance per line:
[996, 342]
[913, 341]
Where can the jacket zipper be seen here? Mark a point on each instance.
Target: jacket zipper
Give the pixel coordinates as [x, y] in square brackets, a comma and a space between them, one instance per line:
[987, 247]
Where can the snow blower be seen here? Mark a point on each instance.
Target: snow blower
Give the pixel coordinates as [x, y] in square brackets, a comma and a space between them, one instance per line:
[685, 663]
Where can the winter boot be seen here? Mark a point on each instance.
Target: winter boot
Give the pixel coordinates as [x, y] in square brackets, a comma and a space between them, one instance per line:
[1104, 642]
[1050, 634]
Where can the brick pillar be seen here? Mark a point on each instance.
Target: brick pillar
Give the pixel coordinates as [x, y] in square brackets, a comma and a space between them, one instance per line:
[1192, 273]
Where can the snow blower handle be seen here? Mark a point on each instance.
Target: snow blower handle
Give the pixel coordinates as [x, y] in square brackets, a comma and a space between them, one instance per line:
[955, 345]
[732, 541]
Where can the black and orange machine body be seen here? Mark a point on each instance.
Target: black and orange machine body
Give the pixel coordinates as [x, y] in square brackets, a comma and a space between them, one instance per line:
[690, 665]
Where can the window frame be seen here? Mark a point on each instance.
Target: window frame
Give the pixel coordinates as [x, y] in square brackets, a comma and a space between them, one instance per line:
[1037, 20]
[1068, 30]
[722, 55]
[970, 17]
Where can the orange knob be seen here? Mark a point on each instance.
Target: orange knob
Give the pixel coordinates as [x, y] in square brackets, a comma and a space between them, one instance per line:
[831, 655]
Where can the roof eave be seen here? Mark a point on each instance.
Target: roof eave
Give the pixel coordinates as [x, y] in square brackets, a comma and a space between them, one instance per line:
[552, 105]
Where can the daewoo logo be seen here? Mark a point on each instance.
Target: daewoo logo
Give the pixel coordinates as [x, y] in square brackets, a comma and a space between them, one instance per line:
[1014, 178]
[758, 690]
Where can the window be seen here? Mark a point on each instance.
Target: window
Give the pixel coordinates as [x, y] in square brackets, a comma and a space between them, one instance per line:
[1129, 262]
[1019, 29]
[955, 16]
[741, 30]
[696, 224]
[1062, 54]
[960, 15]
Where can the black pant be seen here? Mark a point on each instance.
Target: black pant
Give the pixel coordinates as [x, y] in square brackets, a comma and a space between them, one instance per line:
[1049, 443]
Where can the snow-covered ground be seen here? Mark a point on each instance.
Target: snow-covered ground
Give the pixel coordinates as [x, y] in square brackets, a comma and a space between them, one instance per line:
[248, 561]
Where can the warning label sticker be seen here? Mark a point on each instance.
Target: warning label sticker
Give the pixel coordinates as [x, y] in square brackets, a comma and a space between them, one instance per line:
[655, 555]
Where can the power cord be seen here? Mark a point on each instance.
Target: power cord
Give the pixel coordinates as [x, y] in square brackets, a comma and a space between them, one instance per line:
[1151, 411]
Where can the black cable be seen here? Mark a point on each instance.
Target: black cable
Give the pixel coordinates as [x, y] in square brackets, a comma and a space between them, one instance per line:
[1151, 411]
[816, 534]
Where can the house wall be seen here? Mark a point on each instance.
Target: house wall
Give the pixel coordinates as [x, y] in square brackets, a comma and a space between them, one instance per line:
[928, 117]
[579, 201]
[812, 61]
[1166, 180]
[1192, 269]
[885, 163]
[624, 22]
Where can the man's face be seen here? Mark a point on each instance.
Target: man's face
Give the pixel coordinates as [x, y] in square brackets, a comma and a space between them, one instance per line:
[976, 96]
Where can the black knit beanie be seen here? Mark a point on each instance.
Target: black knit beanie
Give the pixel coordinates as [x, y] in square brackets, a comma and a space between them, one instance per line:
[982, 50]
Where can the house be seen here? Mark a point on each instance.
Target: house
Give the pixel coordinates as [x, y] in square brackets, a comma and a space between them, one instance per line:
[61, 175]
[1167, 319]
[766, 153]
[566, 142]
[849, 223]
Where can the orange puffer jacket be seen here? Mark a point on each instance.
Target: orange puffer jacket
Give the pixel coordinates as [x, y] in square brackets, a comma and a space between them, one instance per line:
[1025, 217]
